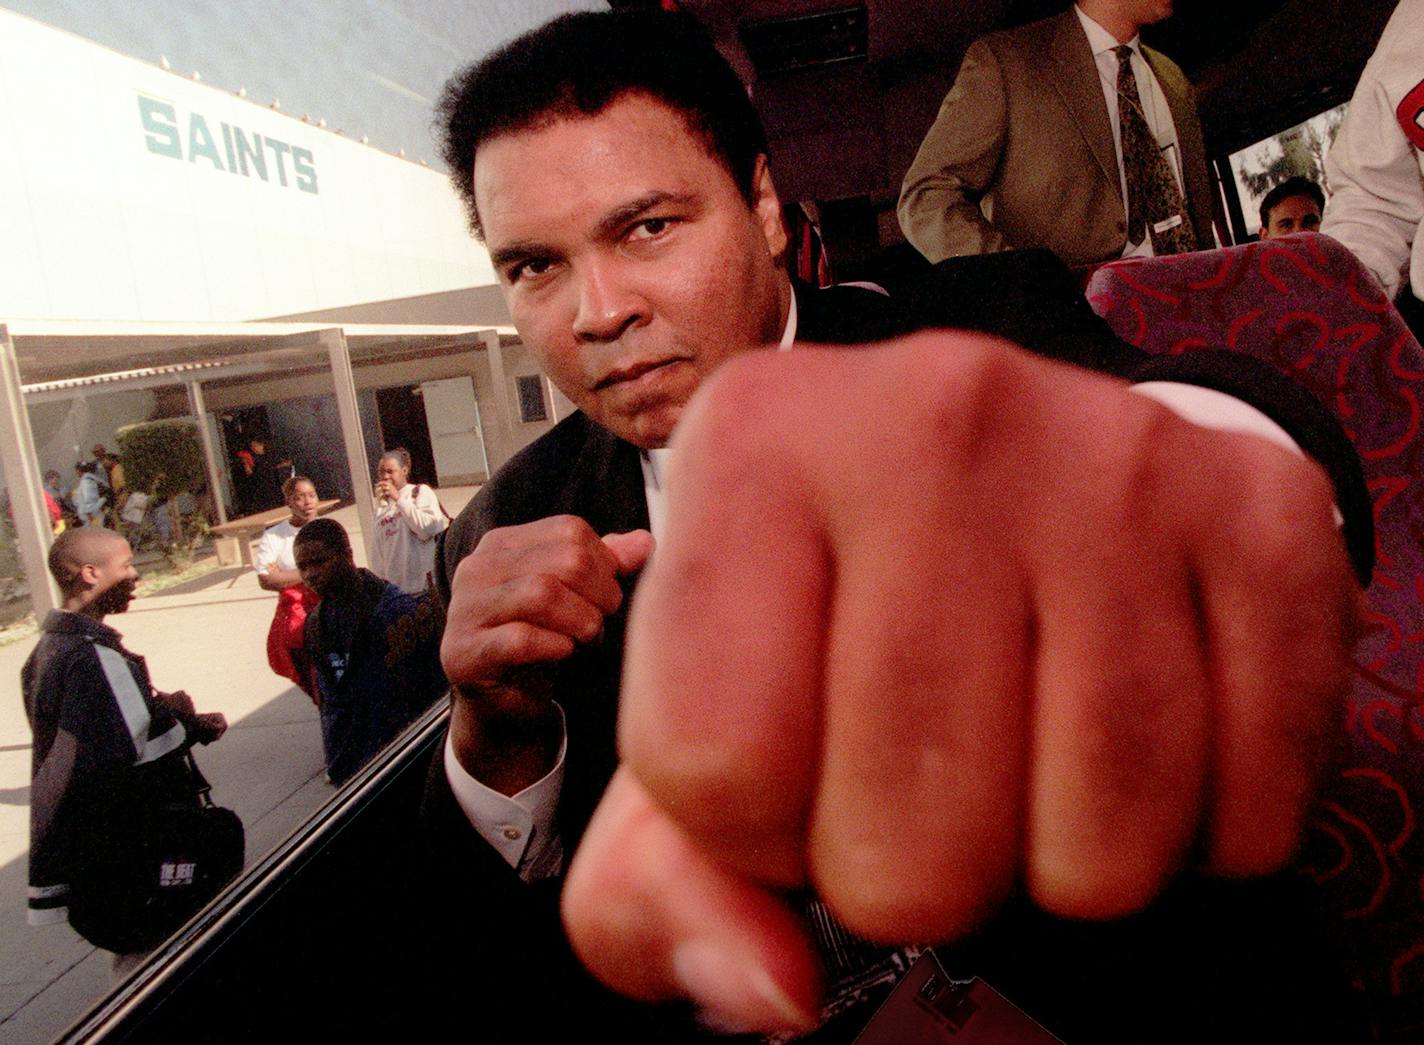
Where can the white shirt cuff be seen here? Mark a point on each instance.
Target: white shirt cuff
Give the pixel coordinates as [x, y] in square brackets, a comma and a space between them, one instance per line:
[48, 916]
[1212, 409]
[520, 828]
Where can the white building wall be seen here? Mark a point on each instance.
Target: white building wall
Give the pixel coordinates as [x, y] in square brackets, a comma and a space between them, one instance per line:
[66, 431]
[123, 196]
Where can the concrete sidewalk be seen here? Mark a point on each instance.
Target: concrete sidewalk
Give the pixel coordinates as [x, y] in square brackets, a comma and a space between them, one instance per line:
[206, 636]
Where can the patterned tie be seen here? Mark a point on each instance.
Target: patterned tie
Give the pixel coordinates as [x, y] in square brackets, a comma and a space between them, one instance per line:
[1153, 198]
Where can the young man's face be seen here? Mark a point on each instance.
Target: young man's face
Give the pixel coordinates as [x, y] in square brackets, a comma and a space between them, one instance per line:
[322, 566]
[632, 264]
[114, 577]
[303, 501]
[1292, 214]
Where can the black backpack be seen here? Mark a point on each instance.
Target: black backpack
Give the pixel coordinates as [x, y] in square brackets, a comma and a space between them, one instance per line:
[153, 859]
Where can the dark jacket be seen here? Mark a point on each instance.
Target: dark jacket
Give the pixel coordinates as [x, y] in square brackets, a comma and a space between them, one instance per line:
[102, 747]
[374, 652]
[1088, 982]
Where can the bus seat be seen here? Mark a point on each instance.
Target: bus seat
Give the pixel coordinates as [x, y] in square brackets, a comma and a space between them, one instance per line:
[1306, 305]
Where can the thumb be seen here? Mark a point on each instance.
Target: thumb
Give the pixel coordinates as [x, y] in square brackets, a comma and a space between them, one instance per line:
[654, 917]
[631, 550]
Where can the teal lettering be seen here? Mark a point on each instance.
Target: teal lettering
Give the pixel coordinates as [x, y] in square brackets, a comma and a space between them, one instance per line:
[200, 141]
[162, 137]
[279, 150]
[250, 150]
[306, 172]
[227, 144]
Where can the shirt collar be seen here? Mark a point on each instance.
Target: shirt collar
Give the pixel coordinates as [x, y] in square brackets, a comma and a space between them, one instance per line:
[788, 333]
[62, 621]
[1099, 39]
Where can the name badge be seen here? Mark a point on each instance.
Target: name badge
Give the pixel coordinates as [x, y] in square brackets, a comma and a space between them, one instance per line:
[1167, 224]
[929, 1008]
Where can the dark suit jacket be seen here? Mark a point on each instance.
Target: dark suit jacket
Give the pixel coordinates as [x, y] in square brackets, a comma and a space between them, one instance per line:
[1021, 154]
[1048, 964]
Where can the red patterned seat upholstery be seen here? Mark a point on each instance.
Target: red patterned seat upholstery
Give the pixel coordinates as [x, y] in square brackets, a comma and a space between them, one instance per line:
[1307, 306]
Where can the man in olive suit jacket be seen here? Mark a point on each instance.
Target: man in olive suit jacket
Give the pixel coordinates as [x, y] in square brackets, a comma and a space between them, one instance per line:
[1025, 150]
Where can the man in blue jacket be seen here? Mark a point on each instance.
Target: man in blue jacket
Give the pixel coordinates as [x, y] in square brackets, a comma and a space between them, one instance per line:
[373, 647]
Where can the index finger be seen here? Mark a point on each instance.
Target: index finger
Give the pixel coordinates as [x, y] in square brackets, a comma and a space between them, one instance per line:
[726, 643]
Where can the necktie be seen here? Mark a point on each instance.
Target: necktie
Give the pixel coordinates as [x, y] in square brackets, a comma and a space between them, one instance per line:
[1153, 198]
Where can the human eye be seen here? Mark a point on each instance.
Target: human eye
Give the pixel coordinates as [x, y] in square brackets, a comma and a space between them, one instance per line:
[529, 269]
[651, 228]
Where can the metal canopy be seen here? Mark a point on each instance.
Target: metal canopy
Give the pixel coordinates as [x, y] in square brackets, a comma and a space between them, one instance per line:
[51, 351]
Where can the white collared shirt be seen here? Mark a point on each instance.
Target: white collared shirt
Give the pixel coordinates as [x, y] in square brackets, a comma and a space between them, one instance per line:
[1154, 109]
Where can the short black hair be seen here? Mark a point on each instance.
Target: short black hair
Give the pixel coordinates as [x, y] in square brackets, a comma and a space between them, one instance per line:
[326, 532]
[72, 550]
[578, 64]
[1293, 186]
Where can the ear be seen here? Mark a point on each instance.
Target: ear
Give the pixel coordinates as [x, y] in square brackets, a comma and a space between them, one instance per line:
[767, 206]
[89, 574]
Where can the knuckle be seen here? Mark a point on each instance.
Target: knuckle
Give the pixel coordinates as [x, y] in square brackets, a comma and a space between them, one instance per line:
[577, 560]
[541, 590]
[568, 528]
[962, 380]
[518, 644]
[734, 420]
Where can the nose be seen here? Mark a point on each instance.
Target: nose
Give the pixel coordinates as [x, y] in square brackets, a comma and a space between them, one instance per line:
[607, 305]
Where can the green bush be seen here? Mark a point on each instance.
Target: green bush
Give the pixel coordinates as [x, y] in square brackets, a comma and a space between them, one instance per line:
[164, 458]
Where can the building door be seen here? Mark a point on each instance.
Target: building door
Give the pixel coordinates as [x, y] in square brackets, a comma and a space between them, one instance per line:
[403, 423]
[456, 439]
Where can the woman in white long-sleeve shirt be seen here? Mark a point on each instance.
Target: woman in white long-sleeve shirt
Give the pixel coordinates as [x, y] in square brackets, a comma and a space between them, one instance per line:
[408, 519]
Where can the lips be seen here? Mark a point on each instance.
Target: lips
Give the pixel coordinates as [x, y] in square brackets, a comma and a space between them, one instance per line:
[633, 371]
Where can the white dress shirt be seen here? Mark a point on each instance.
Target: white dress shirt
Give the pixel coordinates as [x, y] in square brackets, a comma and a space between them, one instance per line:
[521, 828]
[1154, 109]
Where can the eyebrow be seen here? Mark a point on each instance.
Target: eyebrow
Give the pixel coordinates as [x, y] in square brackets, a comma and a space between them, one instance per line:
[610, 224]
[615, 219]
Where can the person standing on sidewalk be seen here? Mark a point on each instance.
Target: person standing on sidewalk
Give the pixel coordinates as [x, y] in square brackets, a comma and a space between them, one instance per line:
[408, 519]
[110, 758]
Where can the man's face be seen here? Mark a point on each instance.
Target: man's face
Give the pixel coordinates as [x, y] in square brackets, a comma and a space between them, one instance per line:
[303, 502]
[114, 577]
[632, 264]
[322, 567]
[1292, 214]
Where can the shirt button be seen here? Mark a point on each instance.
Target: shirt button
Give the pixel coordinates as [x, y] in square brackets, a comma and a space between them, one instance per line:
[512, 833]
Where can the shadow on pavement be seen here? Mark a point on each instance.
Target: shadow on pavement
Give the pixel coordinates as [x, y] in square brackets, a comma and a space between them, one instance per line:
[224, 577]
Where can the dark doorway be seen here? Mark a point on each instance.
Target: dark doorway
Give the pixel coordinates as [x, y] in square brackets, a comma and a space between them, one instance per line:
[239, 427]
[402, 413]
